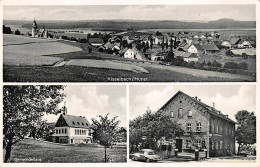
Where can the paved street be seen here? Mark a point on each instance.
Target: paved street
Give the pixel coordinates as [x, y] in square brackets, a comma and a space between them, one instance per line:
[215, 159]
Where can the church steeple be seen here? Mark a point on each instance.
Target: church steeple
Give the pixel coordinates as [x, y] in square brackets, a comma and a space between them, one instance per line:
[34, 28]
[64, 110]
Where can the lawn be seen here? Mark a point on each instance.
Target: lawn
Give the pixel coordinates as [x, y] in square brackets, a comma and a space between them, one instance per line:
[30, 150]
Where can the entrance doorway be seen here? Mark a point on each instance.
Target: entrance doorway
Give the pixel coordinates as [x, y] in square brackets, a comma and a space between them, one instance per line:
[178, 145]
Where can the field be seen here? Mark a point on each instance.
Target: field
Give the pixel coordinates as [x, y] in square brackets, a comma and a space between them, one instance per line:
[47, 152]
[222, 58]
[24, 51]
[26, 63]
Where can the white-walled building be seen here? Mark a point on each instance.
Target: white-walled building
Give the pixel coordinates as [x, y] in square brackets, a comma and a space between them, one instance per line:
[72, 129]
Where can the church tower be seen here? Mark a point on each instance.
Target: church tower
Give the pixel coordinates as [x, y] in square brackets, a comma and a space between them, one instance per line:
[34, 28]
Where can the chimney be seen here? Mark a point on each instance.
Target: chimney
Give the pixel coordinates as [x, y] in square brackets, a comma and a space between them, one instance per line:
[226, 116]
[213, 104]
[196, 97]
[199, 99]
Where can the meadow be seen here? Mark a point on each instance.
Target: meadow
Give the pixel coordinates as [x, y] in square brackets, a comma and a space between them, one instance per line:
[25, 51]
[48, 152]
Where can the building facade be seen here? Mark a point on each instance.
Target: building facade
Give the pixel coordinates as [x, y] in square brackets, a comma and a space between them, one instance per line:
[72, 130]
[204, 126]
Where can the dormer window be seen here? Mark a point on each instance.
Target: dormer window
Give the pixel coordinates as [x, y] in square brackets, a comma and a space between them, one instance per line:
[86, 124]
[73, 122]
[82, 123]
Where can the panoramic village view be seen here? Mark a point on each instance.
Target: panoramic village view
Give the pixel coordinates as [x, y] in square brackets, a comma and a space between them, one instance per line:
[192, 123]
[110, 44]
[64, 124]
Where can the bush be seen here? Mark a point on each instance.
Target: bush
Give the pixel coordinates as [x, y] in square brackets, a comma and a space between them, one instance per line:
[243, 66]
[216, 64]
[231, 65]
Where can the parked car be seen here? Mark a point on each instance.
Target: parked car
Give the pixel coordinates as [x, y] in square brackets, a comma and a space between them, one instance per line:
[147, 155]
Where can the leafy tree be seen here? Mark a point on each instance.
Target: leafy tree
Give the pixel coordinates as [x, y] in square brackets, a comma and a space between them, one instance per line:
[105, 131]
[246, 128]
[24, 107]
[158, 33]
[17, 32]
[7, 30]
[150, 128]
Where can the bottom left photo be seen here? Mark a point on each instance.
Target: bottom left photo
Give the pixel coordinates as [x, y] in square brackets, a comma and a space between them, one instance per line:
[64, 123]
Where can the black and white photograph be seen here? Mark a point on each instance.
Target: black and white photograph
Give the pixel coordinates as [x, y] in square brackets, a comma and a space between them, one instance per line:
[64, 124]
[129, 43]
[202, 123]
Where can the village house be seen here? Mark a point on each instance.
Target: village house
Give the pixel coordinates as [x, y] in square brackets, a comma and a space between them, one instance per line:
[234, 42]
[159, 56]
[72, 129]
[189, 57]
[204, 126]
[211, 48]
[96, 41]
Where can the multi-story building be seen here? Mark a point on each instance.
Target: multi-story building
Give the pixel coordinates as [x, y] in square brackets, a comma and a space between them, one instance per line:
[204, 126]
[72, 130]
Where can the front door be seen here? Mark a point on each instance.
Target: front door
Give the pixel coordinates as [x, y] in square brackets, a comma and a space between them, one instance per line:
[178, 145]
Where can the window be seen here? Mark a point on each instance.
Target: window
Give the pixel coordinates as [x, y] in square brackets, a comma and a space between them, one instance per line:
[198, 142]
[220, 145]
[172, 114]
[220, 130]
[65, 131]
[78, 123]
[212, 128]
[86, 124]
[59, 131]
[216, 129]
[189, 113]
[89, 133]
[188, 128]
[198, 127]
[212, 145]
[188, 143]
[82, 123]
[62, 131]
[180, 112]
[73, 122]
[216, 145]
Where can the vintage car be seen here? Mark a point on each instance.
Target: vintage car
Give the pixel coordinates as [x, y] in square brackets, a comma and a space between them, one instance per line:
[147, 155]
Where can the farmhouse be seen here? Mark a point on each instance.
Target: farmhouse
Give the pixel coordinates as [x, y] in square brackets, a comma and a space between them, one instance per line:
[204, 126]
[72, 130]
[189, 57]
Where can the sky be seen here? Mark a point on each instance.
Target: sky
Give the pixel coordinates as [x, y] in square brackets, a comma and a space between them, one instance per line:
[92, 101]
[227, 98]
[242, 12]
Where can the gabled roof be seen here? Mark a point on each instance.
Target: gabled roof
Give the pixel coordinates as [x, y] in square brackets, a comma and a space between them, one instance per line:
[234, 41]
[210, 47]
[198, 46]
[178, 53]
[76, 121]
[189, 55]
[209, 109]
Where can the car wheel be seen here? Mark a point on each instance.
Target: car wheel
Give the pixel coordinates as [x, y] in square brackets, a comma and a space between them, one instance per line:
[133, 158]
[155, 161]
[148, 160]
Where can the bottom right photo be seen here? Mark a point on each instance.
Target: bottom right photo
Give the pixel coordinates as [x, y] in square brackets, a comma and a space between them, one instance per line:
[181, 123]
